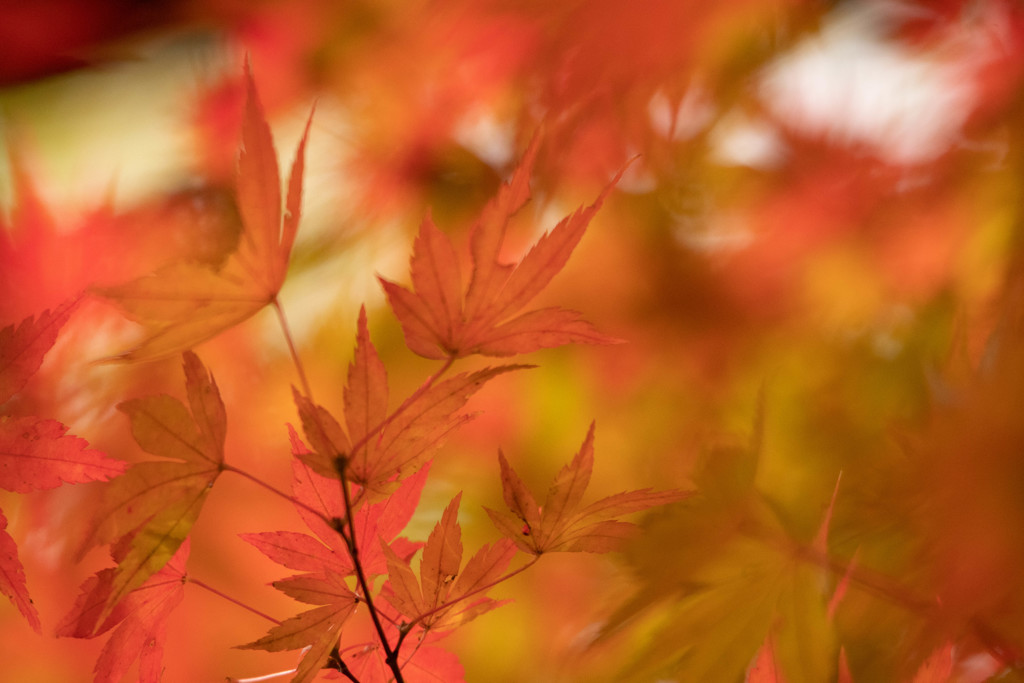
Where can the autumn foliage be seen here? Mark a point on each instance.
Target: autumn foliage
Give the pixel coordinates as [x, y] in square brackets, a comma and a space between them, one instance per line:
[575, 341]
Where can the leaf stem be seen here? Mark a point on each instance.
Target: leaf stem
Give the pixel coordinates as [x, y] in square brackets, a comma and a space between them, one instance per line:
[299, 368]
[202, 584]
[295, 501]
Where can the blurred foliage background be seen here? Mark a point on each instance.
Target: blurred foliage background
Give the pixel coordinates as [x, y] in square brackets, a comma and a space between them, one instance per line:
[815, 261]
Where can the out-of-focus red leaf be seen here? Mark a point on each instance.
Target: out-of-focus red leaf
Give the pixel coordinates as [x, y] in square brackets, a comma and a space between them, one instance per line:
[36, 455]
[764, 669]
[560, 525]
[22, 348]
[439, 322]
[12, 577]
[938, 667]
[140, 618]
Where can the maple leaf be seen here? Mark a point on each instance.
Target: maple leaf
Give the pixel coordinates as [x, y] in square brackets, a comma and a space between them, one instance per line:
[426, 663]
[438, 600]
[12, 578]
[390, 449]
[561, 525]
[319, 498]
[317, 629]
[185, 304]
[725, 580]
[140, 618]
[327, 561]
[153, 506]
[22, 348]
[439, 322]
[36, 454]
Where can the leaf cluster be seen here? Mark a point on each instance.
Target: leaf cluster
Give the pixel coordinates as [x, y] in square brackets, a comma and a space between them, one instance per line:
[356, 477]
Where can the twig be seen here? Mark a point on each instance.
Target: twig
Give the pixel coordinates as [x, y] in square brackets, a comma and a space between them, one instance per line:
[227, 597]
[298, 503]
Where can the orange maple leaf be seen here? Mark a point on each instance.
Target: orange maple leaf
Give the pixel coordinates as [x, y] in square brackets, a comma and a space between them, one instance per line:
[438, 600]
[388, 448]
[439, 322]
[153, 506]
[560, 525]
[185, 304]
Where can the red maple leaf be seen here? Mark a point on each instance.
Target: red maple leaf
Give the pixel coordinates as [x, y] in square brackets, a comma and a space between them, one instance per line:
[561, 524]
[327, 559]
[22, 348]
[36, 454]
[446, 594]
[140, 618]
[388, 448]
[439, 321]
[424, 663]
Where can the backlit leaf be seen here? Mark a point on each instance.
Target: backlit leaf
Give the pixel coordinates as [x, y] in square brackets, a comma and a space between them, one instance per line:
[559, 525]
[140, 619]
[156, 503]
[389, 449]
[36, 455]
[438, 322]
[12, 578]
[22, 348]
[446, 594]
[185, 304]
[327, 559]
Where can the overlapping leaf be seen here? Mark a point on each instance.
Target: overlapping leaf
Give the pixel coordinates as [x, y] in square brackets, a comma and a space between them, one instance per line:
[439, 321]
[22, 348]
[423, 662]
[185, 303]
[387, 449]
[724, 579]
[36, 454]
[561, 525]
[12, 578]
[140, 618]
[154, 505]
[327, 561]
[319, 499]
[318, 628]
[446, 595]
